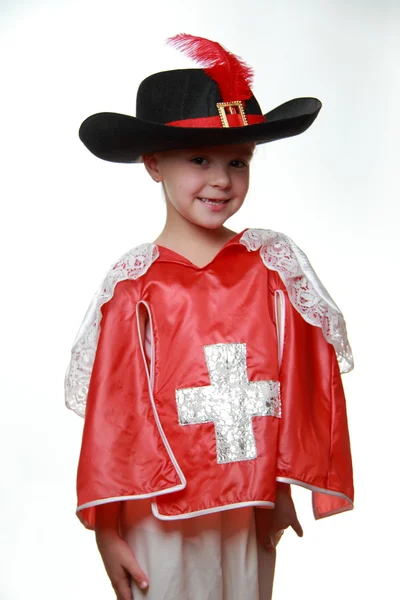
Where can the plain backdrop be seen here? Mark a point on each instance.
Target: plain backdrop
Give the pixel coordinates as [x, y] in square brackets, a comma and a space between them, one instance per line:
[67, 216]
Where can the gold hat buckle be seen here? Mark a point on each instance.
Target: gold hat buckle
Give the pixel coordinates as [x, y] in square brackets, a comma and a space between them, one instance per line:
[231, 108]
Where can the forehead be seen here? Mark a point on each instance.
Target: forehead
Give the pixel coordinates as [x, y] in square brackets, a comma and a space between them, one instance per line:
[246, 150]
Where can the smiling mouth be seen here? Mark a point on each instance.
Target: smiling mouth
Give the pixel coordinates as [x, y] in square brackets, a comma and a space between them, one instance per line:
[209, 201]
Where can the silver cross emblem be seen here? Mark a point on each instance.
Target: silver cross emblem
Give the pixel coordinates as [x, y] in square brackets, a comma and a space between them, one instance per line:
[229, 402]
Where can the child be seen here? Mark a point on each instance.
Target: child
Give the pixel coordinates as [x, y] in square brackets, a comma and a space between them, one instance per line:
[211, 355]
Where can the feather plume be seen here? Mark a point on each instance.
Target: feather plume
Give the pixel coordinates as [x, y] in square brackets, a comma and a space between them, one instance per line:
[233, 76]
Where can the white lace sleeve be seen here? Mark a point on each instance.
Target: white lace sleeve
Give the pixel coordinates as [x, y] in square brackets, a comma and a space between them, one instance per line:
[130, 266]
[306, 292]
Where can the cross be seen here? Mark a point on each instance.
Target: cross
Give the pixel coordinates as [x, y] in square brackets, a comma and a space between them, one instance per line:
[229, 402]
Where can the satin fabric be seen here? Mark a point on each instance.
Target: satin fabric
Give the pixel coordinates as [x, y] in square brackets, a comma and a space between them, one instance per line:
[131, 449]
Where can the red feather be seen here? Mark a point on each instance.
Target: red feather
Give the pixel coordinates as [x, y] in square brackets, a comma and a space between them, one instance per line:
[233, 76]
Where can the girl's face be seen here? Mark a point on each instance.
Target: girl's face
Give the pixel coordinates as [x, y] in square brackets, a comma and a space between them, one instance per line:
[204, 186]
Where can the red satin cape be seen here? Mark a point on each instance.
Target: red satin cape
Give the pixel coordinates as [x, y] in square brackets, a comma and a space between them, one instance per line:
[132, 447]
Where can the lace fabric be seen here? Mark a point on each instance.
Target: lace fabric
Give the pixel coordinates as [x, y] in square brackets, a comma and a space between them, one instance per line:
[131, 265]
[306, 292]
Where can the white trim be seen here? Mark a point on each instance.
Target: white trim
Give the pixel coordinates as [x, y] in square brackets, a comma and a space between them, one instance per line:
[331, 512]
[176, 488]
[314, 488]
[208, 511]
[280, 316]
[152, 353]
[151, 384]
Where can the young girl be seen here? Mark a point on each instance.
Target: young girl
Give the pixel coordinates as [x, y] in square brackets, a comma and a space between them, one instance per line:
[207, 366]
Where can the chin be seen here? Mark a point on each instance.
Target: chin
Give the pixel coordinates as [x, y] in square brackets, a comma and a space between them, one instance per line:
[211, 223]
[211, 226]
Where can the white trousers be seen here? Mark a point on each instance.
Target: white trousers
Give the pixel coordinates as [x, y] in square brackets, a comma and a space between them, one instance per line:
[212, 557]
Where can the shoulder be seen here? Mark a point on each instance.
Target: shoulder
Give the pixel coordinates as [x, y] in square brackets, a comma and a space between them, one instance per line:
[295, 276]
[131, 266]
[278, 252]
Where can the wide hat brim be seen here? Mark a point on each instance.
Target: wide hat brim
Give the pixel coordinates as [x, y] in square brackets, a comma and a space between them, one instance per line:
[124, 138]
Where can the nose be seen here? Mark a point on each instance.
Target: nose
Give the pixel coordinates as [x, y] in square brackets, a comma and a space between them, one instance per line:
[220, 177]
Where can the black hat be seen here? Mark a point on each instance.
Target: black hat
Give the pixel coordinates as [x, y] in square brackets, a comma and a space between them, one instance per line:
[190, 108]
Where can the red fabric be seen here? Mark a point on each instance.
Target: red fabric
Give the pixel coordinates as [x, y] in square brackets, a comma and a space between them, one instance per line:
[231, 300]
[233, 120]
[122, 452]
[314, 445]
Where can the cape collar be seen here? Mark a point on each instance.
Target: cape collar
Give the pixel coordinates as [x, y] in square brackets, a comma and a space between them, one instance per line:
[168, 255]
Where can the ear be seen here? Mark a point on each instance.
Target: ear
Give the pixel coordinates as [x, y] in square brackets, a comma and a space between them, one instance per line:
[151, 164]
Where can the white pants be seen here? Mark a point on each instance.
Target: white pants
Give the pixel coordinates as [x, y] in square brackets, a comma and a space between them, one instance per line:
[212, 557]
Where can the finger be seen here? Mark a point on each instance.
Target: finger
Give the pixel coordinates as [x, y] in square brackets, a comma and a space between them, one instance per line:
[277, 536]
[297, 527]
[122, 589]
[132, 567]
[268, 543]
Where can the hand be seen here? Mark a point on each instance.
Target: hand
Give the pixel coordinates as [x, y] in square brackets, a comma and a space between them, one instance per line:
[271, 523]
[120, 563]
[119, 560]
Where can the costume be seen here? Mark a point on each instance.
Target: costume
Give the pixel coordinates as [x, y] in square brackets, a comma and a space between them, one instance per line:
[235, 383]
[235, 398]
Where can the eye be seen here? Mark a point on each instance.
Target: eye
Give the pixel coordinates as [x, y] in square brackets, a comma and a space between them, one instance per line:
[199, 160]
[238, 164]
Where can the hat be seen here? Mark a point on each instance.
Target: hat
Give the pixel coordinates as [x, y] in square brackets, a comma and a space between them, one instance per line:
[190, 108]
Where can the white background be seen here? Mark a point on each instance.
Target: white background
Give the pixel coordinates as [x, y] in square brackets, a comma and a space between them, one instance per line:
[66, 216]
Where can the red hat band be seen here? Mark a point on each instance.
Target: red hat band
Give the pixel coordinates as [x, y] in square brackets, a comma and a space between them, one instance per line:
[231, 114]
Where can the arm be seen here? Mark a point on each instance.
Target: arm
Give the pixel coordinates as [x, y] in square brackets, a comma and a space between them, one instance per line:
[123, 454]
[119, 561]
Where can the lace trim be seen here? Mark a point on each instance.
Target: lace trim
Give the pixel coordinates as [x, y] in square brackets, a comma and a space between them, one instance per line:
[306, 292]
[131, 265]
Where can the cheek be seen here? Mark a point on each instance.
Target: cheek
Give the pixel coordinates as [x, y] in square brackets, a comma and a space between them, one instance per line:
[179, 193]
[243, 184]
